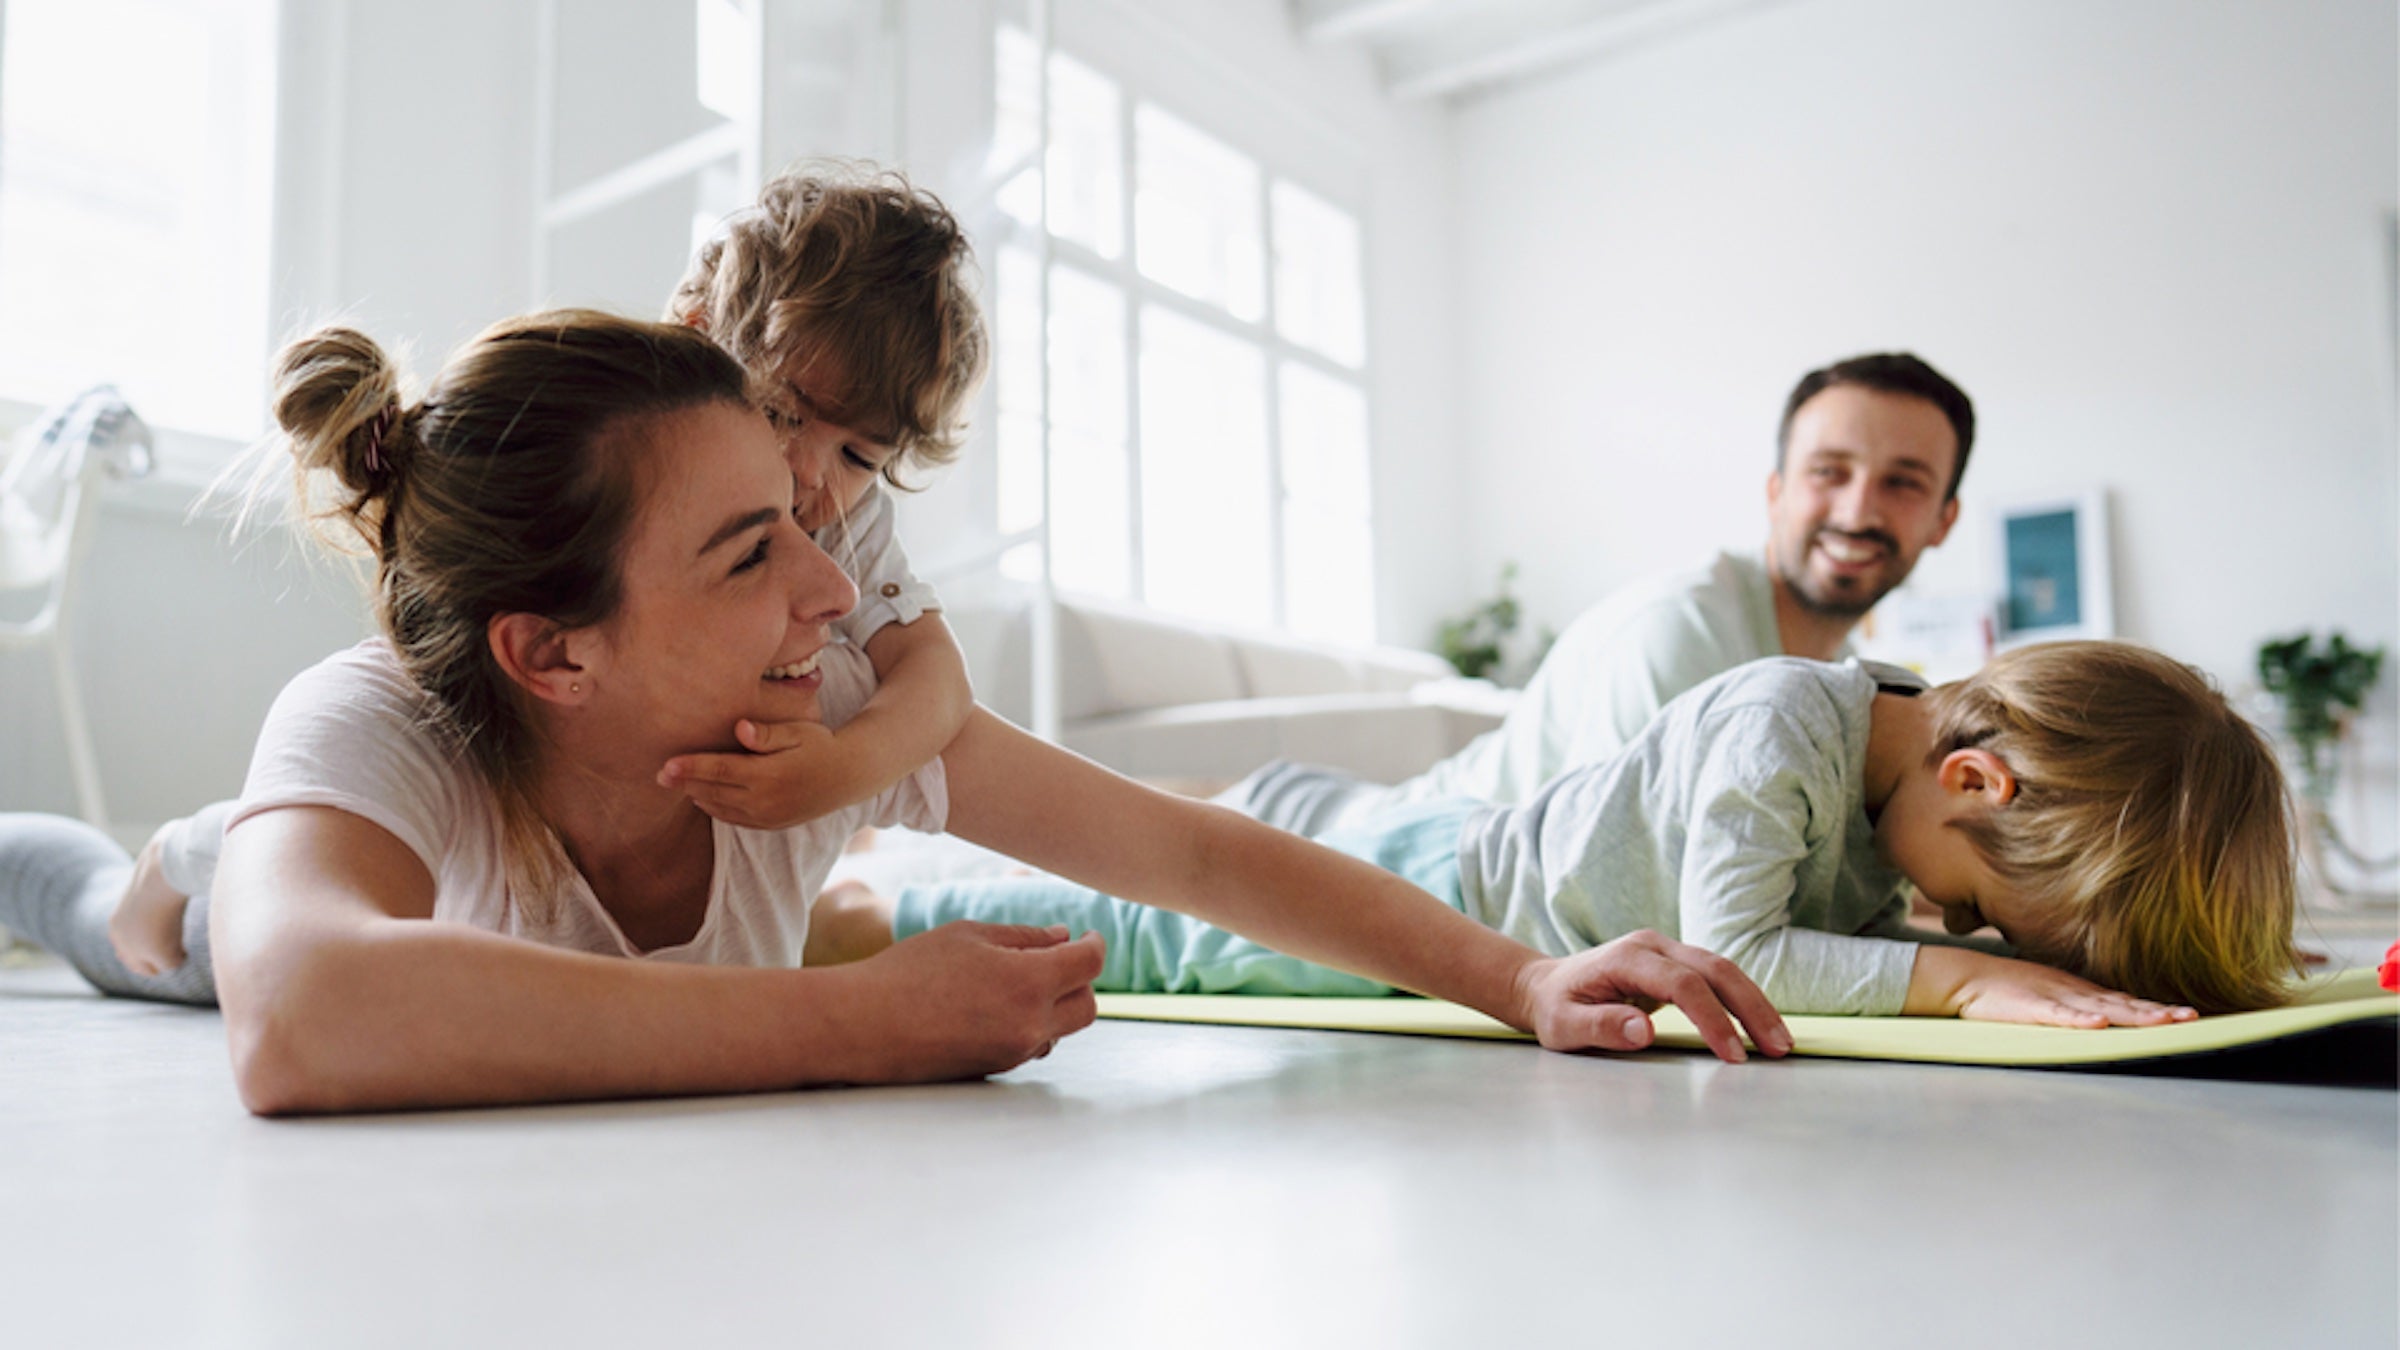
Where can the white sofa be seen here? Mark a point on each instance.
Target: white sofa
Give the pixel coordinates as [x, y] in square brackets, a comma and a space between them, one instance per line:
[1196, 705]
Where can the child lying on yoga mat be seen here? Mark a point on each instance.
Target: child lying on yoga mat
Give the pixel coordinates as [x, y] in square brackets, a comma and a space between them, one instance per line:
[2099, 804]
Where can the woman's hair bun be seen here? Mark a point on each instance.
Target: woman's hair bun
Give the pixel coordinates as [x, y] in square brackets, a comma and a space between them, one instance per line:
[337, 396]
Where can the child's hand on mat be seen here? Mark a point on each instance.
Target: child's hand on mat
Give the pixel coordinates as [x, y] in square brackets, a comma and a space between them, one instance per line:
[793, 772]
[1598, 1000]
[1985, 988]
[966, 1000]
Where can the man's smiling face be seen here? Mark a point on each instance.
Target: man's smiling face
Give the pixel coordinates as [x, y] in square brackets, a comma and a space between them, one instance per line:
[1862, 490]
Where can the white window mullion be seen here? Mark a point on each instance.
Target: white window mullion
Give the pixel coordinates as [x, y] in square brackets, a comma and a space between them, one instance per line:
[1128, 275]
[1278, 557]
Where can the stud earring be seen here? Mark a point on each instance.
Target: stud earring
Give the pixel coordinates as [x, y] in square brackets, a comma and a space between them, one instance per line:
[576, 687]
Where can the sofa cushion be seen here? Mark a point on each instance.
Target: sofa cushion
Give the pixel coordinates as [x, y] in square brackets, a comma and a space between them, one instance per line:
[1113, 660]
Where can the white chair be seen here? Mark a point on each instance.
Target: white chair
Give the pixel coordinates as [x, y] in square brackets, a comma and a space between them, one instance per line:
[48, 506]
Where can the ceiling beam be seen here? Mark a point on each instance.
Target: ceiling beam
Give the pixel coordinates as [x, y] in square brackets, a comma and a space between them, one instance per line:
[1507, 43]
[1362, 20]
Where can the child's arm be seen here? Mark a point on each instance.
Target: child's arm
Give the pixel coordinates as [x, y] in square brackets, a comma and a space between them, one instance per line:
[1955, 982]
[798, 771]
[1739, 881]
[1739, 893]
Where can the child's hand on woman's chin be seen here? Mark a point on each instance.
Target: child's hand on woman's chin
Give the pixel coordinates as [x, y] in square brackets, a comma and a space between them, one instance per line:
[1596, 1000]
[793, 772]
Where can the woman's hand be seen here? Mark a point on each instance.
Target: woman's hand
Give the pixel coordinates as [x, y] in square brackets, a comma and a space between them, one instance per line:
[968, 999]
[1599, 1000]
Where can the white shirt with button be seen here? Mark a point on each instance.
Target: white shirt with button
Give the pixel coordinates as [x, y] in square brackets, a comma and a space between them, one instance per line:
[867, 547]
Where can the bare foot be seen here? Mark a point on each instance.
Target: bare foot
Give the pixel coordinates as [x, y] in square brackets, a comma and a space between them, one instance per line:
[849, 922]
[147, 928]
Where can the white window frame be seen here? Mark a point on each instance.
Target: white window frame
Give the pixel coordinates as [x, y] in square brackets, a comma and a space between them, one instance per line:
[304, 39]
[1113, 60]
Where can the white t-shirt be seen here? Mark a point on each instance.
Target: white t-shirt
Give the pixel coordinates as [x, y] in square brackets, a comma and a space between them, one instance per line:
[352, 733]
[1736, 821]
[1609, 673]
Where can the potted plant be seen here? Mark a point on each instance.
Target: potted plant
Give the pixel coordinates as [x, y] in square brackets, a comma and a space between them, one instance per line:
[1476, 643]
[2317, 688]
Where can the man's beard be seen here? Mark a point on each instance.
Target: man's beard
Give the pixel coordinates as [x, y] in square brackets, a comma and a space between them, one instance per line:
[1838, 606]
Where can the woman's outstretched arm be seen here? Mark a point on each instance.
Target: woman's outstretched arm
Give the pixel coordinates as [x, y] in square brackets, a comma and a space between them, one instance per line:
[342, 993]
[1060, 812]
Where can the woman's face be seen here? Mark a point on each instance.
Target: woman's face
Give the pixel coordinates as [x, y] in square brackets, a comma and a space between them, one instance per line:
[726, 600]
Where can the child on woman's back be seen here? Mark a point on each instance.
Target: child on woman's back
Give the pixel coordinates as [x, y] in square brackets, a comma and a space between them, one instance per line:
[2099, 804]
[844, 293]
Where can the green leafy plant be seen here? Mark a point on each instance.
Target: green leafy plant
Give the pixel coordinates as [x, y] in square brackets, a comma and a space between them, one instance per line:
[2317, 687]
[1473, 643]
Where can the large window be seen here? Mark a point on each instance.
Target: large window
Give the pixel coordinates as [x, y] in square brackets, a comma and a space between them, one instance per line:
[1204, 368]
[136, 153]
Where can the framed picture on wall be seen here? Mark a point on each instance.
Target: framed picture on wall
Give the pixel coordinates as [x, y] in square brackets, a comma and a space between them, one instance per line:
[2054, 569]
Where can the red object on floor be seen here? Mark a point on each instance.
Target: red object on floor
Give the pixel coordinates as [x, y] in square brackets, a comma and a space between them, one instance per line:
[2388, 974]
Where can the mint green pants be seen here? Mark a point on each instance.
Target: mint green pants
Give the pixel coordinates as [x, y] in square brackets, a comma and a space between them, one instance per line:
[1158, 951]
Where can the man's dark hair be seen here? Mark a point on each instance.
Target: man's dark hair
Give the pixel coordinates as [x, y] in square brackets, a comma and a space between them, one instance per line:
[1889, 373]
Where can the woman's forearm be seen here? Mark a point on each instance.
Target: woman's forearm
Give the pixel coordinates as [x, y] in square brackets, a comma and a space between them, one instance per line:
[398, 1013]
[1071, 817]
[1328, 907]
[342, 993]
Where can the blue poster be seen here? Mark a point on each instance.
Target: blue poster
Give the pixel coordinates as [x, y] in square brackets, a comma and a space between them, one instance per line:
[2045, 588]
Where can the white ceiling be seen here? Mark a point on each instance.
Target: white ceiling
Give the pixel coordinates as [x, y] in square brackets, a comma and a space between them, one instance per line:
[1433, 49]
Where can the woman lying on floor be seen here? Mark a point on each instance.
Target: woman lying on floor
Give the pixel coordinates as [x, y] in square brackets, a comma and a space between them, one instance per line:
[453, 836]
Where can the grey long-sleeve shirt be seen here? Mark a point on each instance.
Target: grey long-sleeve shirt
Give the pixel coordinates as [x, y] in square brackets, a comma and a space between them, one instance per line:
[1737, 822]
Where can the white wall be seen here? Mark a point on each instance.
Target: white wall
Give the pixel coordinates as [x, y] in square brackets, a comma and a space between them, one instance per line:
[2144, 233]
[403, 204]
[2148, 236]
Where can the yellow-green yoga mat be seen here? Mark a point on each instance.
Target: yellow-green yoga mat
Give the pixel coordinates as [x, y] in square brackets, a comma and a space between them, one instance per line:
[2349, 997]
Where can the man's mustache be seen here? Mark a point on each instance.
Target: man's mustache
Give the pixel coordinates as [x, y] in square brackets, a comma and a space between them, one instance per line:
[1890, 544]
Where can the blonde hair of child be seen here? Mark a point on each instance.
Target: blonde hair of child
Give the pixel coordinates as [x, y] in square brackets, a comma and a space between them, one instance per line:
[2150, 823]
[842, 257]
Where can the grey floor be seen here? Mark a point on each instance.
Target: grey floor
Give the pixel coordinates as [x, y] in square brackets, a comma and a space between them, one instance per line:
[1157, 1185]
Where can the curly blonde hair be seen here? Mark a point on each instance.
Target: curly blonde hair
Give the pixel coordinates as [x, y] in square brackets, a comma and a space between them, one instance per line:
[2150, 824]
[843, 257]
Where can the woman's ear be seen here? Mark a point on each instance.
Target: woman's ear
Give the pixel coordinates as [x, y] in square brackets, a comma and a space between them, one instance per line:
[539, 656]
[1978, 773]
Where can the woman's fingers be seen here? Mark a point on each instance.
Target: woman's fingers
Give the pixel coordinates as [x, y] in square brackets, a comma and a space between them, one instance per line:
[1741, 996]
[1663, 977]
[1023, 935]
[1610, 1026]
[1598, 998]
